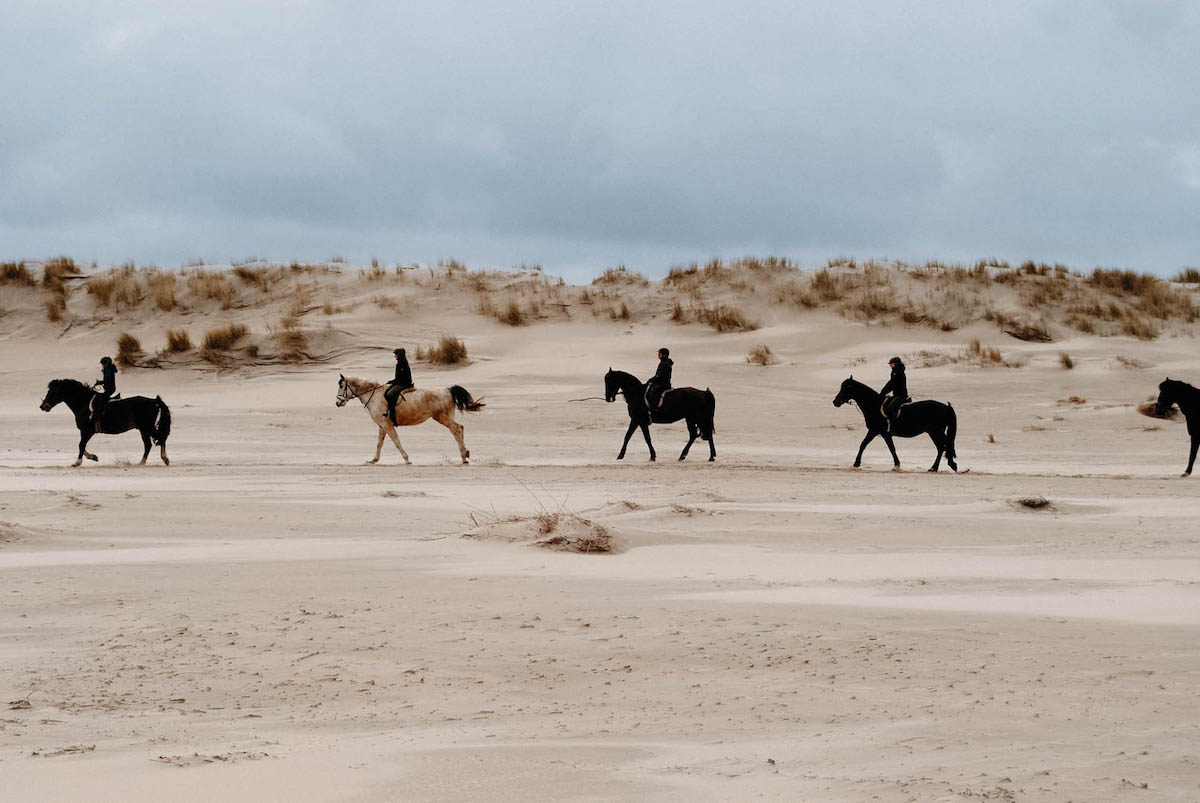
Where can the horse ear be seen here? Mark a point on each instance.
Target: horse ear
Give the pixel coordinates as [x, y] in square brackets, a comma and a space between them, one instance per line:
[341, 376]
[851, 376]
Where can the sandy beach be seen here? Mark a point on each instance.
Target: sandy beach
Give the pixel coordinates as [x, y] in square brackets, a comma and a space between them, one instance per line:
[269, 618]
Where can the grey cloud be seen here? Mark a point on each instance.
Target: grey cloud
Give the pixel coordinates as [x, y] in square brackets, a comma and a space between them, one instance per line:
[589, 133]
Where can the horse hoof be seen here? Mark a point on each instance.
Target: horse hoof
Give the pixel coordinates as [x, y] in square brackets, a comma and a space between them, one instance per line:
[682, 459]
[76, 464]
[895, 468]
[93, 457]
[712, 459]
[620, 457]
[652, 459]
[931, 470]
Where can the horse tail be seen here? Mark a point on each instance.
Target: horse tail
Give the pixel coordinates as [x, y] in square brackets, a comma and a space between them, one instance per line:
[951, 432]
[162, 426]
[463, 401]
[708, 424]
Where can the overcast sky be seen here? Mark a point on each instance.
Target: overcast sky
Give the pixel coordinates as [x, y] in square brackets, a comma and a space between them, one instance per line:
[585, 134]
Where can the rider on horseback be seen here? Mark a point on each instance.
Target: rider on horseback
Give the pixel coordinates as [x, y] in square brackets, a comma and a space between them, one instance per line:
[898, 387]
[660, 383]
[108, 385]
[400, 383]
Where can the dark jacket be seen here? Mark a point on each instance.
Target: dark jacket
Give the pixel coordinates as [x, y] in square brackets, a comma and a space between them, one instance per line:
[898, 384]
[662, 377]
[403, 374]
[109, 381]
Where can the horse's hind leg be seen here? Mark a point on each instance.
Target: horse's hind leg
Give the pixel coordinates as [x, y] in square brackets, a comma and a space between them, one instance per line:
[145, 448]
[646, 431]
[1192, 457]
[693, 433]
[162, 452]
[391, 431]
[712, 449]
[891, 445]
[940, 443]
[456, 429]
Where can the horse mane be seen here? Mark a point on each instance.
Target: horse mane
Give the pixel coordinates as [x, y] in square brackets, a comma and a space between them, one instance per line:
[620, 375]
[862, 385]
[361, 385]
[70, 384]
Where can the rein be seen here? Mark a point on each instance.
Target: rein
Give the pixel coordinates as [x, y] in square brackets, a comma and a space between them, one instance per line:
[359, 395]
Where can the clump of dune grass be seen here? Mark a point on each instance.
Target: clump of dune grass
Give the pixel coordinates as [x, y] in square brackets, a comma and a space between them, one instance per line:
[210, 286]
[1149, 408]
[620, 275]
[178, 341]
[224, 338]
[1132, 363]
[1034, 503]
[385, 302]
[260, 278]
[760, 355]
[55, 306]
[448, 351]
[1064, 359]
[620, 313]
[511, 314]
[1187, 276]
[115, 289]
[54, 283]
[16, 273]
[725, 318]
[678, 313]
[129, 350]
[292, 340]
[162, 289]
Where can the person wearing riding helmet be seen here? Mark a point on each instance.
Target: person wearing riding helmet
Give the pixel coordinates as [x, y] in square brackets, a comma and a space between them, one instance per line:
[897, 385]
[660, 383]
[108, 387]
[400, 383]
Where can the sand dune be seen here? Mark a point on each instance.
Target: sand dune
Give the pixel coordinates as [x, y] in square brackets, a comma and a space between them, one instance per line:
[269, 618]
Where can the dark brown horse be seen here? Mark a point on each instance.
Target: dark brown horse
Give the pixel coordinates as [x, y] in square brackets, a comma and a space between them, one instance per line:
[150, 417]
[697, 407]
[1172, 392]
[937, 420]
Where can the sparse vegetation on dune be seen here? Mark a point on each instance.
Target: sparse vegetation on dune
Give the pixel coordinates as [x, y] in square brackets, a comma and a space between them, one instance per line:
[16, 273]
[760, 355]
[178, 341]
[211, 286]
[725, 318]
[449, 350]
[129, 350]
[1187, 276]
[619, 275]
[292, 341]
[1065, 360]
[224, 338]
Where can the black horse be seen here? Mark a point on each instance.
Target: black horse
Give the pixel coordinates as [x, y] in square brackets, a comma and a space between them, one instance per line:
[932, 417]
[697, 406]
[150, 417]
[1172, 392]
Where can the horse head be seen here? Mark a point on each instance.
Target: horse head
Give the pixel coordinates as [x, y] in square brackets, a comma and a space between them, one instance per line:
[845, 393]
[1167, 392]
[58, 391]
[610, 386]
[344, 393]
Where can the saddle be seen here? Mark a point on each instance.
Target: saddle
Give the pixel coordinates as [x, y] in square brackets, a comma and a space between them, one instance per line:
[111, 399]
[892, 405]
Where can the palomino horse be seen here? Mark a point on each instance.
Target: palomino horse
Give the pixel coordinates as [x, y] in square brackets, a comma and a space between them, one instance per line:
[150, 417]
[417, 406]
[932, 417]
[1172, 392]
[697, 407]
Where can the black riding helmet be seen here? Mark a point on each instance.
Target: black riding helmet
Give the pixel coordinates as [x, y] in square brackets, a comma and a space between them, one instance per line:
[664, 352]
[399, 352]
[896, 361]
[105, 360]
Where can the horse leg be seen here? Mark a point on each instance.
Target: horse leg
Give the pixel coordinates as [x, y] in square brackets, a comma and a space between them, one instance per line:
[84, 437]
[396, 440]
[862, 447]
[89, 455]
[145, 447]
[456, 429]
[940, 444]
[712, 449]
[646, 432]
[162, 452]
[378, 447]
[1192, 458]
[891, 445]
[628, 435]
[693, 433]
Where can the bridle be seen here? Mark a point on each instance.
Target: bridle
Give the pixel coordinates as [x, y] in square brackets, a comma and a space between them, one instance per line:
[344, 399]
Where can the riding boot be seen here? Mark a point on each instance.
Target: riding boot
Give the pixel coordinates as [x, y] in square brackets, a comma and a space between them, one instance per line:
[392, 410]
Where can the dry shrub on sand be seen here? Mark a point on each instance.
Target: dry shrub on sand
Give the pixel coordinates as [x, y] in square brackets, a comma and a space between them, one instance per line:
[760, 355]
[293, 344]
[1034, 503]
[620, 313]
[1064, 359]
[178, 341]
[255, 277]
[224, 338]
[162, 290]
[385, 302]
[211, 286]
[725, 318]
[1188, 276]
[54, 275]
[619, 275]
[562, 532]
[511, 314]
[448, 351]
[55, 305]
[117, 288]
[129, 350]
[16, 273]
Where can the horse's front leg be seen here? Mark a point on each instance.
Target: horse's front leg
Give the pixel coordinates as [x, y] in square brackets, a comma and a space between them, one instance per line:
[84, 437]
[628, 435]
[1192, 457]
[646, 432]
[378, 446]
[862, 447]
[391, 431]
[887, 438]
